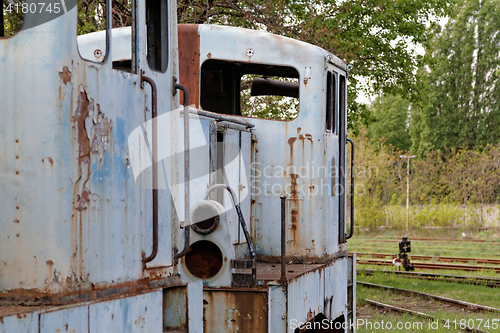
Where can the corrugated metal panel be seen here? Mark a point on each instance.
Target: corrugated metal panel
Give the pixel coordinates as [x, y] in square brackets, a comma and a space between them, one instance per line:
[142, 313]
[67, 320]
[23, 323]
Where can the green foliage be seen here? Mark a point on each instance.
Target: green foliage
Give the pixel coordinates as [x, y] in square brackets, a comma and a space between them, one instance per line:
[370, 34]
[390, 121]
[13, 19]
[268, 106]
[445, 191]
[463, 102]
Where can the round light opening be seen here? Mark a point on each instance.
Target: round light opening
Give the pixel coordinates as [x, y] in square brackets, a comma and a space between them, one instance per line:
[205, 219]
[204, 259]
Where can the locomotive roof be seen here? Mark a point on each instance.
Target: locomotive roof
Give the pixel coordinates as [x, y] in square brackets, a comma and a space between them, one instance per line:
[221, 37]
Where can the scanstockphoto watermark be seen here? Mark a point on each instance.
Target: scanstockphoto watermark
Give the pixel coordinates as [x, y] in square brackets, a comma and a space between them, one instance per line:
[302, 181]
[326, 324]
[306, 180]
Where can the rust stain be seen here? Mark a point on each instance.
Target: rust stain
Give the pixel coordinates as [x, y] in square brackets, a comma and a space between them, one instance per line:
[301, 137]
[291, 141]
[209, 55]
[189, 61]
[81, 113]
[93, 292]
[65, 75]
[294, 194]
[309, 137]
[51, 161]
[299, 129]
[83, 199]
[242, 311]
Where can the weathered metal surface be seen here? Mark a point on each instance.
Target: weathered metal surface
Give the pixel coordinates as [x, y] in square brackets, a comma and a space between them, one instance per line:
[133, 313]
[71, 214]
[23, 323]
[319, 291]
[351, 291]
[175, 308]
[235, 311]
[278, 321]
[195, 307]
[142, 313]
[67, 320]
[288, 157]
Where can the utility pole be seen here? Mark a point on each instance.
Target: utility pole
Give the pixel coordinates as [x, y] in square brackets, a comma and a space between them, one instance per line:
[407, 188]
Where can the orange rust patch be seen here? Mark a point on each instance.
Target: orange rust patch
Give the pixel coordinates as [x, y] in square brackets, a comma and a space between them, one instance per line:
[189, 60]
[292, 140]
[51, 161]
[294, 194]
[65, 75]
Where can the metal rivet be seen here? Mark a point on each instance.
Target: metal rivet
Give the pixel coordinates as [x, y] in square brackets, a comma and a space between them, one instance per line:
[250, 52]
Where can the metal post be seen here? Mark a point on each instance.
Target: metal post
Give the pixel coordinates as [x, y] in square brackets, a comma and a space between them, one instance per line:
[407, 194]
[283, 237]
[407, 189]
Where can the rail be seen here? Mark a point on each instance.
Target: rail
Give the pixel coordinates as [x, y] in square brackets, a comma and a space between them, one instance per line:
[187, 208]
[154, 149]
[219, 117]
[283, 238]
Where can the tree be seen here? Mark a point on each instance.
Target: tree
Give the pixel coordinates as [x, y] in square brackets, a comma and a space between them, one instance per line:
[390, 121]
[371, 35]
[464, 99]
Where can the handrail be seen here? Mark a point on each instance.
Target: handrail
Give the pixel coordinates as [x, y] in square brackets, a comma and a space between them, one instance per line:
[220, 117]
[241, 219]
[351, 232]
[283, 238]
[187, 208]
[154, 148]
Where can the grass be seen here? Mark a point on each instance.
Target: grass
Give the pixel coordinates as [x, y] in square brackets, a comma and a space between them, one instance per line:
[487, 272]
[364, 242]
[464, 292]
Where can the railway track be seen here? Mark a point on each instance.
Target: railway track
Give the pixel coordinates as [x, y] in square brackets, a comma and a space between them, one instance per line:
[417, 313]
[432, 266]
[415, 294]
[475, 280]
[441, 259]
[454, 302]
[436, 240]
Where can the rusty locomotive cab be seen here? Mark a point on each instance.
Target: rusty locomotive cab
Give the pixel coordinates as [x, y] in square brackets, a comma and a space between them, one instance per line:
[159, 186]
